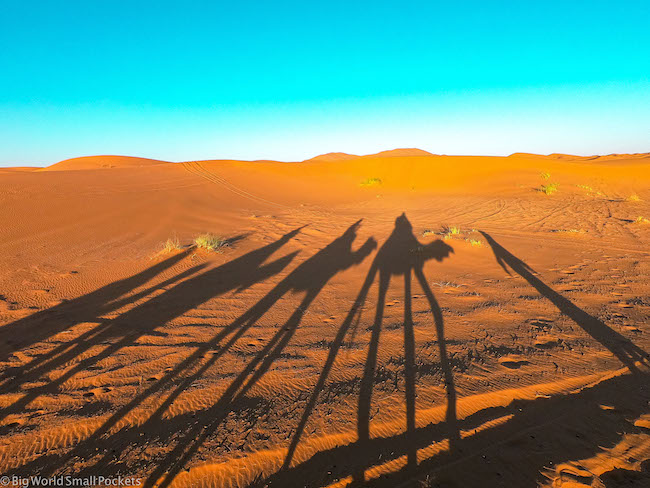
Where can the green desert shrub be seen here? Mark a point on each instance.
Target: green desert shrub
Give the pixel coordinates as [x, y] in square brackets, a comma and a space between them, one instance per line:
[370, 182]
[172, 244]
[549, 188]
[210, 242]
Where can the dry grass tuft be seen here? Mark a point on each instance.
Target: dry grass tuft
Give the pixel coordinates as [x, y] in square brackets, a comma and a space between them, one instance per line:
[549, 189]
[571, 231]
[451, 230]
[170, 245]
[369, 182]
[210, 242]
[591, 191]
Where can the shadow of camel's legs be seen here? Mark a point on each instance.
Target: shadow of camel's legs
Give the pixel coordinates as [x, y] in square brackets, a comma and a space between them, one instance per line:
[409, 371]
[368, 379]
[329, 363]
[284, 335]
[450, 416]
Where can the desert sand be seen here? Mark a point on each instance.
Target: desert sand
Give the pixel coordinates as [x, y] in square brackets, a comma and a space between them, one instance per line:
[398, 319]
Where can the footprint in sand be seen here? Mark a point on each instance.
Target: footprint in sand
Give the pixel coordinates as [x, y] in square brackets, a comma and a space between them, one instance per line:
[546, 342]
[540, 324]
[632, 328]
[97, 391]
[574, 476]
[513, 363]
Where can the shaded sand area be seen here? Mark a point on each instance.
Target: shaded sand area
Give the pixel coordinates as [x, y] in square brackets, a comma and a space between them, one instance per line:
[401, 319]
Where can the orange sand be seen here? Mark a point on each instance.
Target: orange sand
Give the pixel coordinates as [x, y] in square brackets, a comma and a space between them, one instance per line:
[339, 338]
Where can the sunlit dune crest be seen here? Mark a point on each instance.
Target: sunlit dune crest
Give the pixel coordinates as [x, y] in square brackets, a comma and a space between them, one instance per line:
[96, 162]
[333, 156]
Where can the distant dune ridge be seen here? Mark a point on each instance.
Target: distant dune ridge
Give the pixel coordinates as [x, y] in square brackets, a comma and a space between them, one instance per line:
[333, 156]
[96, 162]
[401, 153]
[108, 161]
[580, 158]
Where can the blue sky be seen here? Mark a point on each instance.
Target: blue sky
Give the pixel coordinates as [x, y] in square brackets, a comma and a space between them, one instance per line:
[289, 80]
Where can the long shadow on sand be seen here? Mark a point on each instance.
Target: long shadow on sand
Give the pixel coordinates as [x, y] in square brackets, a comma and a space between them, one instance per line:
[309, 278]
[550, 430]
[403, 255]
[87, 308]
[465, 440]
[625, 350]
[141, 320]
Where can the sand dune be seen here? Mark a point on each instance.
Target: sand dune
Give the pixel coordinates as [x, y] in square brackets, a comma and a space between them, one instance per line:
[19, 168]
[398, 319]
[400, 153]
[97, 162]
[333, 156]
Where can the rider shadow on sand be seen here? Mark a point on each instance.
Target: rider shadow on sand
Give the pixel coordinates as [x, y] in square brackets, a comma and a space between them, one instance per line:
[401, 255]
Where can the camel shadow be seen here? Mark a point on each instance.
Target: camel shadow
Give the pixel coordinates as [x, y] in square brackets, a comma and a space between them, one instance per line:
[308, 279]
[401, 255]
[190, 290]
[520, 425]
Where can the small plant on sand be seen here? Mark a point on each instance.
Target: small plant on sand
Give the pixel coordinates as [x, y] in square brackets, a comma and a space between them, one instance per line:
[475, 242]
[447, 284]
[549, 189]
[590, 190]
[172, 244]
[428, 232]
[370, 182]
[450, 231]
[641, 220]
[571, 231]
[545, 175]
[210, 242]
[634, 198]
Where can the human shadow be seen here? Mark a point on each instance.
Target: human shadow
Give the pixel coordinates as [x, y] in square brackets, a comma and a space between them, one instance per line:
[147, 317]
[401, 254]
[625, 350]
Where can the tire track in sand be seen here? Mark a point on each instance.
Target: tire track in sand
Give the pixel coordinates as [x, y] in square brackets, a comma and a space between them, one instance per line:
[198, 169]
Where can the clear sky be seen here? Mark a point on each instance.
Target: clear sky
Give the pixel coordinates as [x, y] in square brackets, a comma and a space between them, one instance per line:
[289, 80]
